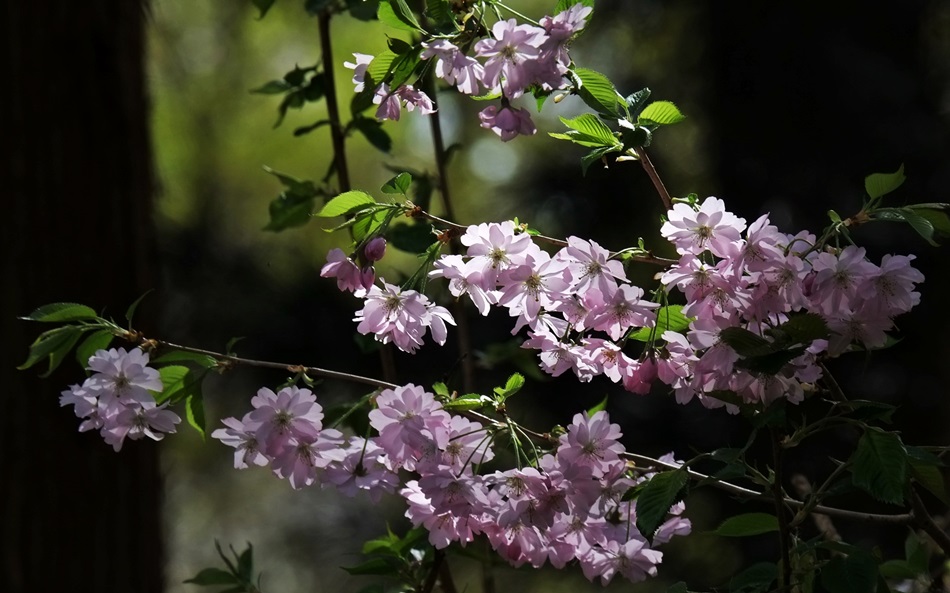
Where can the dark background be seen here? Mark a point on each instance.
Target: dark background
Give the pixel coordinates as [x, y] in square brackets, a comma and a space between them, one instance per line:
[790, 107]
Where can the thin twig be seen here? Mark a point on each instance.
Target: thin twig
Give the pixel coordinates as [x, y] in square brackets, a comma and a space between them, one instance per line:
[655, 178]
[647, 259]
[228, 359]
[781, 513]
[901, 519]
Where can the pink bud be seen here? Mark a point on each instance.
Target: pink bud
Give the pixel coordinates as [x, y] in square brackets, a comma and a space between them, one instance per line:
[375, 249]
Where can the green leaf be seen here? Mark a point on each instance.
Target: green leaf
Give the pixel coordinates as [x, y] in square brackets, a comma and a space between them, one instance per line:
[653, 504]
[663, 113]
[581, 139]
[130, 312]
[468, 402]
[54, 344]
[178, 382]
[297, 187]
[346, 203]
[97, 340]
[396, 14]
[938, 217]
[292, 100]
[202, 360]
[669, 318]
[879, 465]
[744, 342]
[377, 566]
[747, 524]
[373, 131]
[195, 410]
[288, 211]
[599, 407]
[859, 409]
[512, 386]
[61, 312]
[403, 67]
[439, 388]
[592, 126]
[381, 64]
[930, 477]
[398, 184]
[636, 101]
[245, 566]
[412, 238]
[879, 184]
[263, 6]
[599, 93]
[856, 573]
[919, 223]
[368, 224]
[802, 328]
[596, 155]
[758, 578]
[363, 10]
[315, 7]
[679, 587]
[440, 13]
[213, 576]
[273, 87]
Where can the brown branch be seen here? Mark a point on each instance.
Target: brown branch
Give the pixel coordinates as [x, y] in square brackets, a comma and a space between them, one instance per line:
[227, 360]
[647, 259]
[923, 520]
[333, 111]
[655, 178]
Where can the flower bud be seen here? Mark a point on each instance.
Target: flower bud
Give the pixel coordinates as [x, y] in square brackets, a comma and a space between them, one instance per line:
[375, 249]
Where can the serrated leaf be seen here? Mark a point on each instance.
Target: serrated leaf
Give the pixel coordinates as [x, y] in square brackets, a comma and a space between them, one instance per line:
[292, 100]
[440, 12]
[363, 10]
[468, 402]
[212, 576]
[599, 93]
[297, 187]
[396, 14]
[178, 382]
[512, 386]
[368, 224]
[346, 203]
[747, 524]
[563, 5]
[263, 6]
[636, 101]
[596, 155]
[591, 126]
[380, 66]
[856, 573]
[879, 184]
[879, 466]
[669, 318]
[663, 113]
[97, 340]
[54, 344]
[860, 409]
[653, 504]
[802, 328]
[273, 87]
[398, 184]
[61, 312]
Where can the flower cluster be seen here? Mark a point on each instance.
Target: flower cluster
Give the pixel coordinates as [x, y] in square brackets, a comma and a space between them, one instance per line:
[116, 398]
[756, 282]
[514, 58]
[580, 310]
[566, 506]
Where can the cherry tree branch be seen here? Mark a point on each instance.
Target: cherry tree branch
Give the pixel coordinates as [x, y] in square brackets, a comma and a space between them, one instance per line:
[655, 178]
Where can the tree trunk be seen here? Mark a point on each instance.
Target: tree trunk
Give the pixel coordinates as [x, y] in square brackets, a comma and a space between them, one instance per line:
[77, 227]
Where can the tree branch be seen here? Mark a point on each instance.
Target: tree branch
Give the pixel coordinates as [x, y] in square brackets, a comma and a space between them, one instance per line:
[655, 178]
